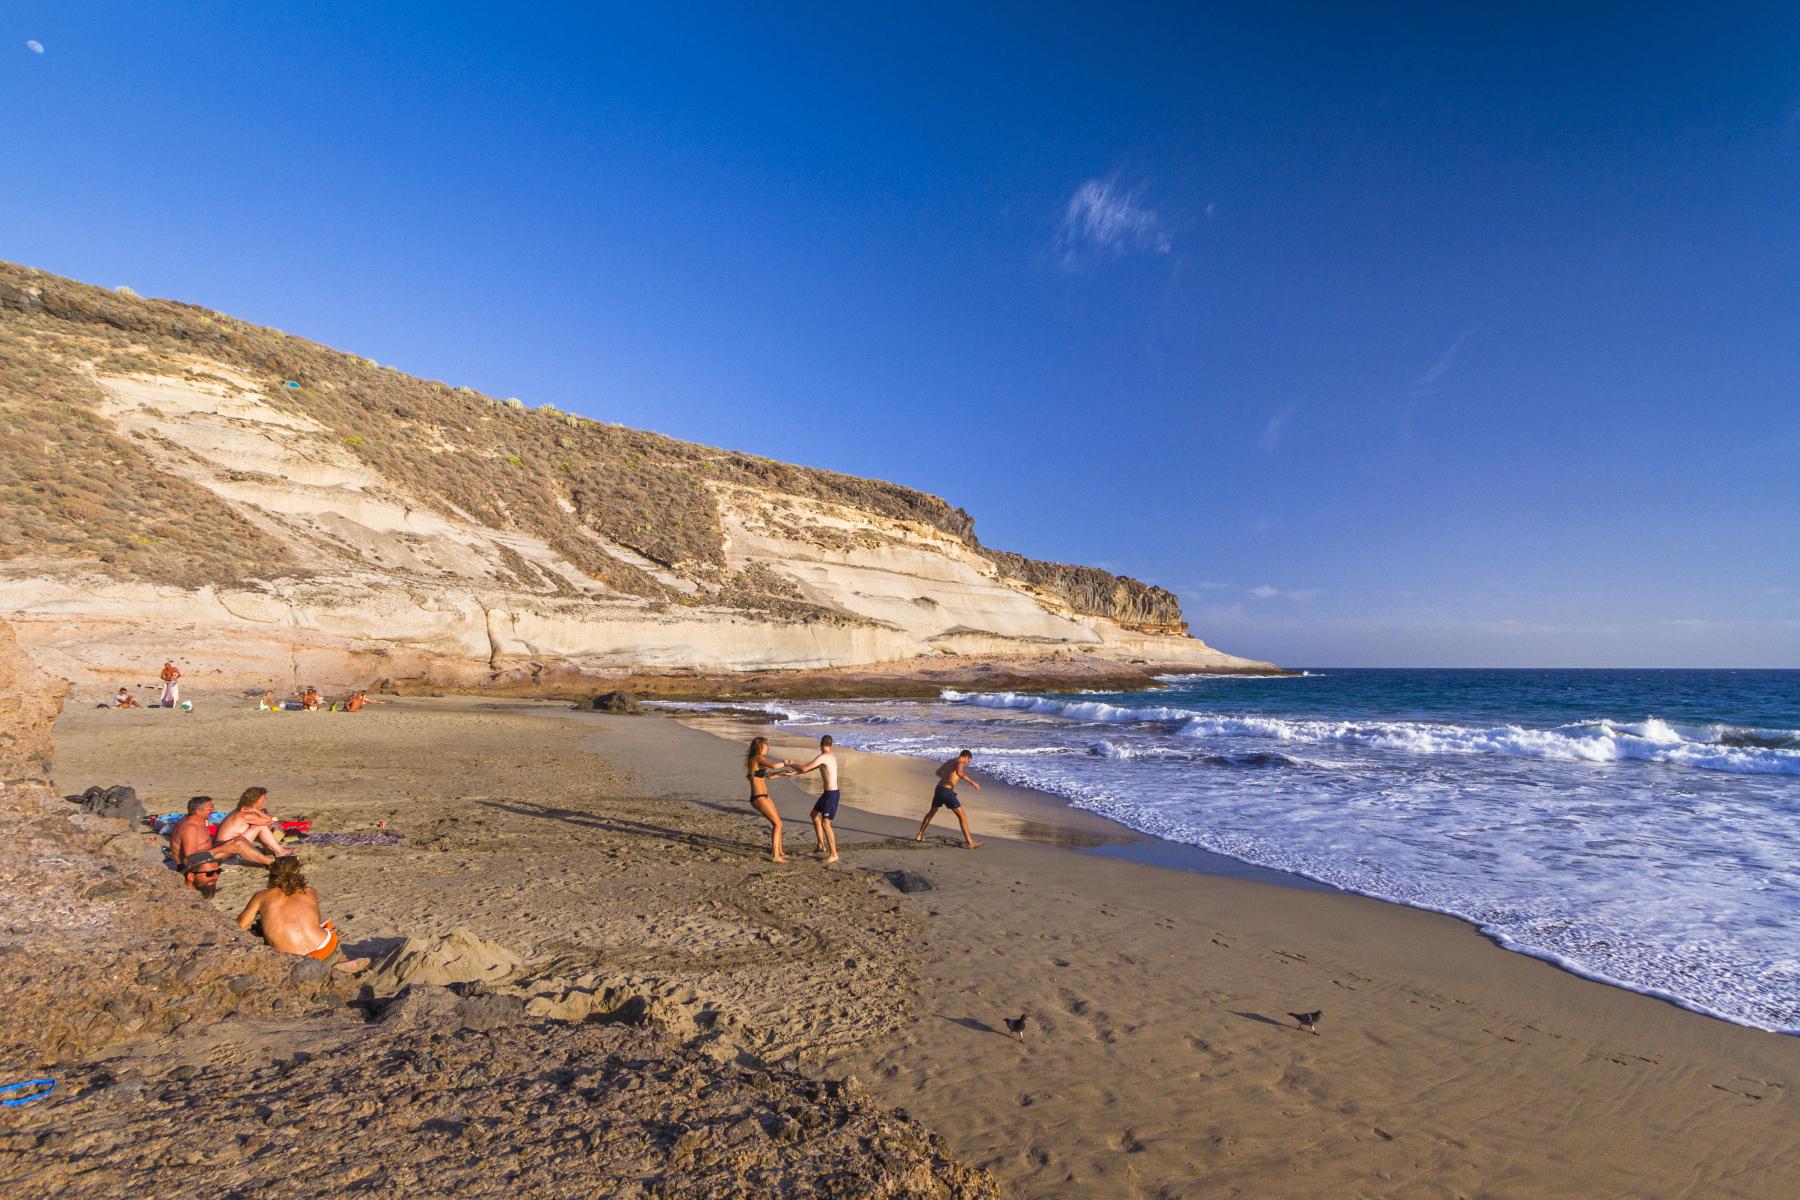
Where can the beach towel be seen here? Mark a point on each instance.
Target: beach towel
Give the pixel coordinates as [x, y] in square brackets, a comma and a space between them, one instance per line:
[353, 839]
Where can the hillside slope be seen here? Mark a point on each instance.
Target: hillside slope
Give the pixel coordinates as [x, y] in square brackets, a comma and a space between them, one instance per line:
[171, 479]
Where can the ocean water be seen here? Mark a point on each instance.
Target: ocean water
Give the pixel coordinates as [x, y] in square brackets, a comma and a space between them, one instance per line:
[1638, 827]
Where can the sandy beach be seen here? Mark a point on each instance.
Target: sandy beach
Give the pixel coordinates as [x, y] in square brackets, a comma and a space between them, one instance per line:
[615, 856]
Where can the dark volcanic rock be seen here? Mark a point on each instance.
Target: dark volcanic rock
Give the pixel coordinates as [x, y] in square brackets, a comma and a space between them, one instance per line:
[908, 881]
[617, 702]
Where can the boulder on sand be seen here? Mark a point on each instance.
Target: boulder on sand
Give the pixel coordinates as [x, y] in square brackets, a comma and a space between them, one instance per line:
[617, 702]
[457, 957]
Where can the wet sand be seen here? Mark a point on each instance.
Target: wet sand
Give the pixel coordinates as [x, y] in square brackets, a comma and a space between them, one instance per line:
[1160, 1060]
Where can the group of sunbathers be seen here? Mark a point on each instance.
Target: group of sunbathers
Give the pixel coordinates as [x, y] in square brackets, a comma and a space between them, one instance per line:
[287, 911]
[759, 768]
[311, 701]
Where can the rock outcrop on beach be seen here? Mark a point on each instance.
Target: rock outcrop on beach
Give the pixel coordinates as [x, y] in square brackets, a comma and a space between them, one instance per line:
[171, 477]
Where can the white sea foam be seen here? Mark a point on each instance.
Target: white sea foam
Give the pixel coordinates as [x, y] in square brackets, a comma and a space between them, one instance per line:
[1650, 740]
[1594, 843]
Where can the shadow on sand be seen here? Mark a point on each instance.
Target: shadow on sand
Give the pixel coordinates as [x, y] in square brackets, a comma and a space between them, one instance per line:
[622, 825]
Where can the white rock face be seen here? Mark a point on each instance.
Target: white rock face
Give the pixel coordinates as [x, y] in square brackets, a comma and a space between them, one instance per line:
[393, 588]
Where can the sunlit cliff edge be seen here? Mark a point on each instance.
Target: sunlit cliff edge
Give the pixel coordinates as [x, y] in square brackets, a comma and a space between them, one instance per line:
[174, 481]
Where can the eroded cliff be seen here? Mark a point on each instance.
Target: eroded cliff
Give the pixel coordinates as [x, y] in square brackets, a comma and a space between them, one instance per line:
[170, 474]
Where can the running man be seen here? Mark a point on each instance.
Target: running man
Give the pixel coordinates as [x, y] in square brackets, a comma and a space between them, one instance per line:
[171, 679]
[949, 774]
[289, 911]
[825, 811]
[759, 768]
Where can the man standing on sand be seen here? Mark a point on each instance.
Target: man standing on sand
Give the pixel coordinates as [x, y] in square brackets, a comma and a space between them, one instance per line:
[289, 911]
[171, 677]
[252, 822]
[191, 836]
[949, 774]
[825, 811]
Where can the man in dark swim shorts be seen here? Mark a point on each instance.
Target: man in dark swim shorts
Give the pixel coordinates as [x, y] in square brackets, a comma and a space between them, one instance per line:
[949, 774]
[825, 811]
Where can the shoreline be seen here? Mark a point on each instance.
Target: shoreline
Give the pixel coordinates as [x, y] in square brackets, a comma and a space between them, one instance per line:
[1106, 836]
[1159, 1060]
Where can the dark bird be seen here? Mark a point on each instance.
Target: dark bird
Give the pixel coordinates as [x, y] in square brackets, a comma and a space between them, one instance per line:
[1016, 1027]
[1309, 1021]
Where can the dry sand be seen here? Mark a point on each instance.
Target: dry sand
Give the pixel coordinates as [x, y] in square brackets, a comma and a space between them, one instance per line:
[615, 856]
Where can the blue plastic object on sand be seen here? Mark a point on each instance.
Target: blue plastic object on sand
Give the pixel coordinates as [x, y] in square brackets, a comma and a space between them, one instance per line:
[8, 1100]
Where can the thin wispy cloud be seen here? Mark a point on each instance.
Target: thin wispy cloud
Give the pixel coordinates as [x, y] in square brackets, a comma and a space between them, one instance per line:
[1102, 217]
[1270, 592]
[1270, 438]
[1427, 382]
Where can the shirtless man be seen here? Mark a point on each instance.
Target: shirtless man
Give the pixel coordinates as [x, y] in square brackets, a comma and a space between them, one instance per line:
[171, 681]
[356, 701]
[825, 811]
[191, 836]
[949, 774]
[251, 822]
[310, 700]
[289, 911]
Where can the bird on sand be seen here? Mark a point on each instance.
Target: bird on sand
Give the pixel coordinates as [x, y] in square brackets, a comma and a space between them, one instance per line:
[1309, 1021]
[1016, 1027]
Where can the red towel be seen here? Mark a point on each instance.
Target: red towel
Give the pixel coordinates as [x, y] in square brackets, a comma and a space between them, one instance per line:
[296, 826]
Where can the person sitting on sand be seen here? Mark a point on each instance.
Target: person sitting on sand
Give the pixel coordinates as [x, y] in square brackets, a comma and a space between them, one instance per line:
[949, 774]
[252, 822]
[201, 872]
[171, 681]
[310, 700]
[125, 699]
[356, 701]
[191, 835]
[267, 702]
[825, 811]
[289, 911]
[759, 768]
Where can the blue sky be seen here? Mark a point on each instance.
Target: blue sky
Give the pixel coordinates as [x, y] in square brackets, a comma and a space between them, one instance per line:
[1383, 335]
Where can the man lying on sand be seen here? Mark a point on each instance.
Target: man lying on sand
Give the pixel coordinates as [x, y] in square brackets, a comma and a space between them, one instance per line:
[251, 822]
[125, 700]
[289, 911]
[825, 811]
[191, 835]
[949, 774]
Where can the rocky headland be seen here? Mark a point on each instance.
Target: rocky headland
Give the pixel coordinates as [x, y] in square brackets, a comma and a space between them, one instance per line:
[174, 478]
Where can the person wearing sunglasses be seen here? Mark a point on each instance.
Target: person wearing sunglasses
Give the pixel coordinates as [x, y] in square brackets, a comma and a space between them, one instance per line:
[201, 872]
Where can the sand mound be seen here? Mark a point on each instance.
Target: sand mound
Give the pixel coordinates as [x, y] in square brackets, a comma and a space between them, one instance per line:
[457, 957]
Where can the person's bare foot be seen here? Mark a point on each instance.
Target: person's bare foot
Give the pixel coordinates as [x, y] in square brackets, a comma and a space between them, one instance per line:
[832, 859]
[920, 838]
[777, 858]
[350, 966]
[973, 844]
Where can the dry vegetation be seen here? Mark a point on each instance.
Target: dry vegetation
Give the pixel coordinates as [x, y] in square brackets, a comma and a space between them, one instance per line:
[87, 493]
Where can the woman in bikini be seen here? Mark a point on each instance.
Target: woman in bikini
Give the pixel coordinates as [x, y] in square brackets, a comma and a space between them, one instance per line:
[759, 768]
